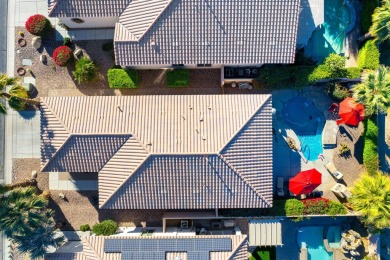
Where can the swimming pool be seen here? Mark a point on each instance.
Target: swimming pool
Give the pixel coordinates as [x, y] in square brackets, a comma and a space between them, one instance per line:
[339, 19]
[334, 236]
[312, 239]
[307, 122]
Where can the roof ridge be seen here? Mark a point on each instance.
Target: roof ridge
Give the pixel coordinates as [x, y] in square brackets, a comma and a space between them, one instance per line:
[119, 26]
[54, 155]
[86, 240]
[245, 123]
[43, 100]
[242, 178]
[130, 174]
[244, 238]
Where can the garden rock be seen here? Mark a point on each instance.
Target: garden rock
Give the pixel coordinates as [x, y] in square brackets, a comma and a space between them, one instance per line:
[78, 53]
[36, 42]
[43, 58]
[34, 174]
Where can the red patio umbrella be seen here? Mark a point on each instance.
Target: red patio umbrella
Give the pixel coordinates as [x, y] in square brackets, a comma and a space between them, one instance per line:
[305, 182]
[351, 112]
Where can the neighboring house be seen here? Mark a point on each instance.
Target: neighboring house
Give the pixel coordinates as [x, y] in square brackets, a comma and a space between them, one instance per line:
[164, 33]
[164, 152]
[223, 247]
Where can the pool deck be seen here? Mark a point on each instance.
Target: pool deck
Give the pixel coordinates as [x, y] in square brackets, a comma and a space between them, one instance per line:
[288, 163]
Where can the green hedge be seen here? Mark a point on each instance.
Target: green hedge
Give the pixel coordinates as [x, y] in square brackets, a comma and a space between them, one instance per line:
[294, 207]
[285, 76]
[122, 78]
[354, 72]
[368, 57]
[106, 228]
[370, 150]
[178, 78]
[368, 9]
[335, 208]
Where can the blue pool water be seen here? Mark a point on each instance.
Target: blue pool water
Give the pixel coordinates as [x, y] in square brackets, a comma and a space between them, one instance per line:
[307, 122]
[334, 236]
[338, 20]
[312, 239]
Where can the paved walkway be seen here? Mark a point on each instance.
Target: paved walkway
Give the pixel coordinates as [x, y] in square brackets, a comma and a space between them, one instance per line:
[25, 134]
[58, 183]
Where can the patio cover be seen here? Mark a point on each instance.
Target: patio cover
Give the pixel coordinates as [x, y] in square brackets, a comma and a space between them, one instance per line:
[267, 232]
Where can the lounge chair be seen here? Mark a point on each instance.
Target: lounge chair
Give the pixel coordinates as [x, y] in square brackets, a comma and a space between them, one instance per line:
[329, 134]
[341, 191]
[333, 170]
[280, 186]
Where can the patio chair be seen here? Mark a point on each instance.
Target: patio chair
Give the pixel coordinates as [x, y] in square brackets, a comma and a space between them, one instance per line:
[280, 186]
[329, 134]
[333, 170]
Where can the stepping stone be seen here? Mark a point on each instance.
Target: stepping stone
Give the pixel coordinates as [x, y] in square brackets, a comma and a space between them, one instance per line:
[26, 62]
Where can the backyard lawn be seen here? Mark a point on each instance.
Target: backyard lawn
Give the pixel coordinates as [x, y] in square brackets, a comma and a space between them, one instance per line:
[263, 253]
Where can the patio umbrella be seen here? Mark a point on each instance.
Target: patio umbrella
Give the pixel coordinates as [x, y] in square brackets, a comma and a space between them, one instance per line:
[305, 182]
[351, 112]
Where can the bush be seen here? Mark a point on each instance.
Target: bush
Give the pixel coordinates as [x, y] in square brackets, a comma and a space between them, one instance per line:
[294, 207]
[178, 78]
[368, 9]
[320, 72]
[38, 25]
[67, 42]
[263, 253]
[85, 70]
[344, 149]
[85, 227]
[335, 208]
[336, 66]
[354, 72]
[370, 150]
[339, 92]
[122, 78]
[105, 228]
[62, 55]
[368, 57]
[276, 76]
[315, 206]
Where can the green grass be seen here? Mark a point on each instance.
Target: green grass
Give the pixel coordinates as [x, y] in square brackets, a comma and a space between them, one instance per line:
[178, 78]
[263, 253]
[122, 78]
[368, 9]
[370, 150]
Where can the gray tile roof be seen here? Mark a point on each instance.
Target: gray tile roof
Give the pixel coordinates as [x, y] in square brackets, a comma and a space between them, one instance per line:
[87, 8]
[213, 32]
[171, 152]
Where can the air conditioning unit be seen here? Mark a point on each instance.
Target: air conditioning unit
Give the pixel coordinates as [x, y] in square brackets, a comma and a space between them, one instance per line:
[184, 224]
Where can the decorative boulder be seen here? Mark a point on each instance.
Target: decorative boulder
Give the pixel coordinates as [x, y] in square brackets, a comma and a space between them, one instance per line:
[43, 58]
[78, 53]
[34, 174]
[36, 42]
[61, 195]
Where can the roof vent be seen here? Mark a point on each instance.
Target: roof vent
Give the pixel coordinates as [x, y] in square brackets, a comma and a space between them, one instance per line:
[149, 143]
[120, 109]
[152, 42]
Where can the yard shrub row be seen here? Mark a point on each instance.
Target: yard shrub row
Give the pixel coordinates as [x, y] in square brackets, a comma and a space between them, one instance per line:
[317, 206]
[370, 150]
[368, 57]
[178, 78]
[122, 78]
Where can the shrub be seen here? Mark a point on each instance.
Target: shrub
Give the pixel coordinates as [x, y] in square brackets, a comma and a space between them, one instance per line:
[368, 9]
[368, 57]
[38, 25]
[354, 72]
[315, 206]
[85, 70]
[320, 72]
[335, 208]
[67, 42]
[178, 78]
[62, 55]
[85, 227]
[105, 228]
[46, 194]
[294, 207]
[370, 150]
[276, 76]
[344, 149]
[122, 78]
[339, 92]
[335, 64]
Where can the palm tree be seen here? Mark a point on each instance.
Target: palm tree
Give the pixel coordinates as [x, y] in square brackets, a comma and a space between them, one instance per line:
[374, 91]
[380, 27]
[22, 210]
[371, 197]
[17, 97]
[38, 240]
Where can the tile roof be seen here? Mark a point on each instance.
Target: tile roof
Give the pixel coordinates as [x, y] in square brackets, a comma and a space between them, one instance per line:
[165, 247]
[175, 152]
[90, 8]
[213, 32]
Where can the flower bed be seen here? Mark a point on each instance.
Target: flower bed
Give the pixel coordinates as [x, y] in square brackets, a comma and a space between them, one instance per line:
[315, 206]
[38, 25]
[62, 55]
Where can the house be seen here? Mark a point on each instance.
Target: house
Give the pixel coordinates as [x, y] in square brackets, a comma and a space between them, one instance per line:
[191, 33]
[164, 152]
[213, 247]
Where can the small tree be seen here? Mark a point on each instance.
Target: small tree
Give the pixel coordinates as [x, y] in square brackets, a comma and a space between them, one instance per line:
[336, 66]
[85, 70]
[371, 197]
